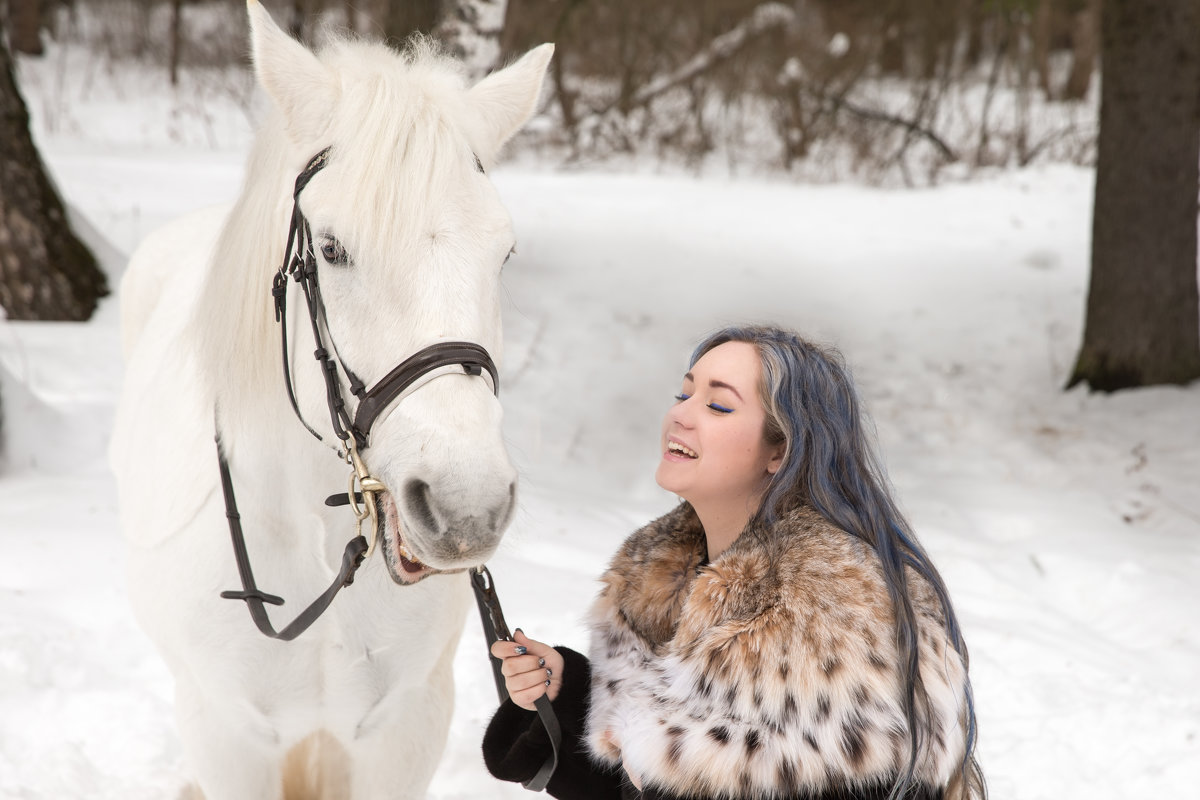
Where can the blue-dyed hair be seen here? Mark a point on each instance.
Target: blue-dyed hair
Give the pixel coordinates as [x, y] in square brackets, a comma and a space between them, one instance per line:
[830, 464]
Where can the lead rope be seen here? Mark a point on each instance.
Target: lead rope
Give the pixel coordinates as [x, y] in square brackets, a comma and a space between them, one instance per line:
[495, 629]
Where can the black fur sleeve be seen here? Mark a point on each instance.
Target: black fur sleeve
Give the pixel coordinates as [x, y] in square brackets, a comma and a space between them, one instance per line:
[516, 745]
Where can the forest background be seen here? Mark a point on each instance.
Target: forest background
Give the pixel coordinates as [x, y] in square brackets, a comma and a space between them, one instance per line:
[899, 90]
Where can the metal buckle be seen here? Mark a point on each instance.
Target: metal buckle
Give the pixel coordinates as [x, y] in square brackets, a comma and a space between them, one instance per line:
[485, 589]
[362, 482]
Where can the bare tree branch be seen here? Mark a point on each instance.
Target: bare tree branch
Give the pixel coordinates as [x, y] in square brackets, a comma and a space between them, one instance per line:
[912, 126]
[766, 17]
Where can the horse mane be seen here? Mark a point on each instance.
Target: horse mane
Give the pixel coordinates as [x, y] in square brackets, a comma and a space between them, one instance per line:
[399, 141]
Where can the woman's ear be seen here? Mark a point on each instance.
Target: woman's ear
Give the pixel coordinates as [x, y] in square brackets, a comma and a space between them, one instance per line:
[776, 460]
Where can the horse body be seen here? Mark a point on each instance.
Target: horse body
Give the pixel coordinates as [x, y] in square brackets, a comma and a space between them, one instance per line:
[425, 235]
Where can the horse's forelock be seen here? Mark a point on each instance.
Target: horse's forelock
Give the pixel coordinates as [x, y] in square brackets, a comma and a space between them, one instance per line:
[398, 133]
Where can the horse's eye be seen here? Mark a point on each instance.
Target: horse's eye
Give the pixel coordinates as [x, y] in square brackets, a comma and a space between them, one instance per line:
[333, 252]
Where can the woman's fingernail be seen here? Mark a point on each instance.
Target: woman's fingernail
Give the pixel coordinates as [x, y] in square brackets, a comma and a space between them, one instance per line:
[549, 673]
[547, 683]
[541, 662]
[522, 650]
[520, 631]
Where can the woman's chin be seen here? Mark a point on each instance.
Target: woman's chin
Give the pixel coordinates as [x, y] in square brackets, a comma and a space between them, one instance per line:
[668, 481]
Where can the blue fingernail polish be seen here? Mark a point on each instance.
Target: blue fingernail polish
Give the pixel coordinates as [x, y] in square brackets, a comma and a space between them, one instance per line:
[522, 650]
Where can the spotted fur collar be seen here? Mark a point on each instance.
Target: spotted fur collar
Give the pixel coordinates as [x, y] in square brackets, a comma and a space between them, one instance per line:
[770, 671]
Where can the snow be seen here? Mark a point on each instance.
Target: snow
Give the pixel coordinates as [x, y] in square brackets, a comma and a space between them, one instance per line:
[1067, 525]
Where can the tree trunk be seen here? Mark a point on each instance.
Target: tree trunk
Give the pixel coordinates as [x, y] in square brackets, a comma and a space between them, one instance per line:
[973, 20]
[176, 39]
[1143, 307]
[1085, 35]
[45, 271]
[471, 30]
[562, 92]
[25, 16]
[350, 11]
[298, 20]
[893, 54]
[402, 19]
[1040, 32]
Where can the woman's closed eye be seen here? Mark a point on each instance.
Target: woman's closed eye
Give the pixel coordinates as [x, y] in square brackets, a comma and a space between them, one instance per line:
[714, 406]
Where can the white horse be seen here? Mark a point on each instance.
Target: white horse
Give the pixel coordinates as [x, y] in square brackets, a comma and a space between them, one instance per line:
[409, 238]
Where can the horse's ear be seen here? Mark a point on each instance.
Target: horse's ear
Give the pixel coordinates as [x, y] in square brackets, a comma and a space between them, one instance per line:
[506, 99]
[299, 84]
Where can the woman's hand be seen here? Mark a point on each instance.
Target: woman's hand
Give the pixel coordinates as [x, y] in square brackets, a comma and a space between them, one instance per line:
[531, 669]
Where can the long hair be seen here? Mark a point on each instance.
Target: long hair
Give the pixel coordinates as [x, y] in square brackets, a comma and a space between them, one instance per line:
[830, 464]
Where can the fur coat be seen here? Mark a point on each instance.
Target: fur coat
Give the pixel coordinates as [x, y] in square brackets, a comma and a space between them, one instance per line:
[771, 672]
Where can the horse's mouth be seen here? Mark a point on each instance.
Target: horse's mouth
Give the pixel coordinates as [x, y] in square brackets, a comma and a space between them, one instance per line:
[404, 566]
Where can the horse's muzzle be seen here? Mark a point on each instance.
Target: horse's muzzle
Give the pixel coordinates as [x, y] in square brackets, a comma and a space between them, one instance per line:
[446, 536]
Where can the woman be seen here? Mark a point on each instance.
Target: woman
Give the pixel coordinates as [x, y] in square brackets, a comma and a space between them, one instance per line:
[779, 634]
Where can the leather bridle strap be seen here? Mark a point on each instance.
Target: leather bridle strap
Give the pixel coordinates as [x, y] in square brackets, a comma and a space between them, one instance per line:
[471, 357]
[255, 598]
[496, 629]
[300, 262]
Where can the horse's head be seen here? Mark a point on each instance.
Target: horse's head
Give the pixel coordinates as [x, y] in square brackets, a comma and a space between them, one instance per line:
[409, 237]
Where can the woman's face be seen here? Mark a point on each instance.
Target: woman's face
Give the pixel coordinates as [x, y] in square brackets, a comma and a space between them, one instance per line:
[713, 449]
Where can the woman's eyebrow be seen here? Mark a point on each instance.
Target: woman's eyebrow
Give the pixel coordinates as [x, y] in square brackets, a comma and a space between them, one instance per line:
[717, 385]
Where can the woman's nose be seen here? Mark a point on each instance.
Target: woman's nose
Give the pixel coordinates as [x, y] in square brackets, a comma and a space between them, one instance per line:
[681, 413]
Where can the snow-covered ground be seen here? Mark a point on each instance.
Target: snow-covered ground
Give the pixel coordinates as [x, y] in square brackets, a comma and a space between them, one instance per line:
[1067, 525]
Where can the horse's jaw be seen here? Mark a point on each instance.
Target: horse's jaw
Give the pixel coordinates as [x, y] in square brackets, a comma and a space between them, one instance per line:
[416, 543]
[403, 565]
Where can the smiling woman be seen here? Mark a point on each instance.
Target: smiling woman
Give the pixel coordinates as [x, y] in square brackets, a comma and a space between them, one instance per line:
[714, 453]
[780, 634]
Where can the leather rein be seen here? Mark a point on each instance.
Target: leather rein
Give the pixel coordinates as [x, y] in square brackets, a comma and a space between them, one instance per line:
[354, 434]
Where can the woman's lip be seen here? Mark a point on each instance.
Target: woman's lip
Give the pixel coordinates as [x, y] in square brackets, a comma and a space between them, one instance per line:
[681, 443]
[671, 455]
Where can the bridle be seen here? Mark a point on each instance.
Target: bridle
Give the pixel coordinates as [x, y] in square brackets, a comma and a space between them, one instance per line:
[299, 261]
[353, 433]
[354, 436]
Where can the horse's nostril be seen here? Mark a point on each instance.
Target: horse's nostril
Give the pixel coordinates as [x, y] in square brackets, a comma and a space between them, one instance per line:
[416, 496]
[503, 513]
[457, 527]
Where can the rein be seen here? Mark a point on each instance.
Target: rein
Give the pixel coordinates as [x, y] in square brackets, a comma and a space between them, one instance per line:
[495, 629]
[356, 551]
[299, 262]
